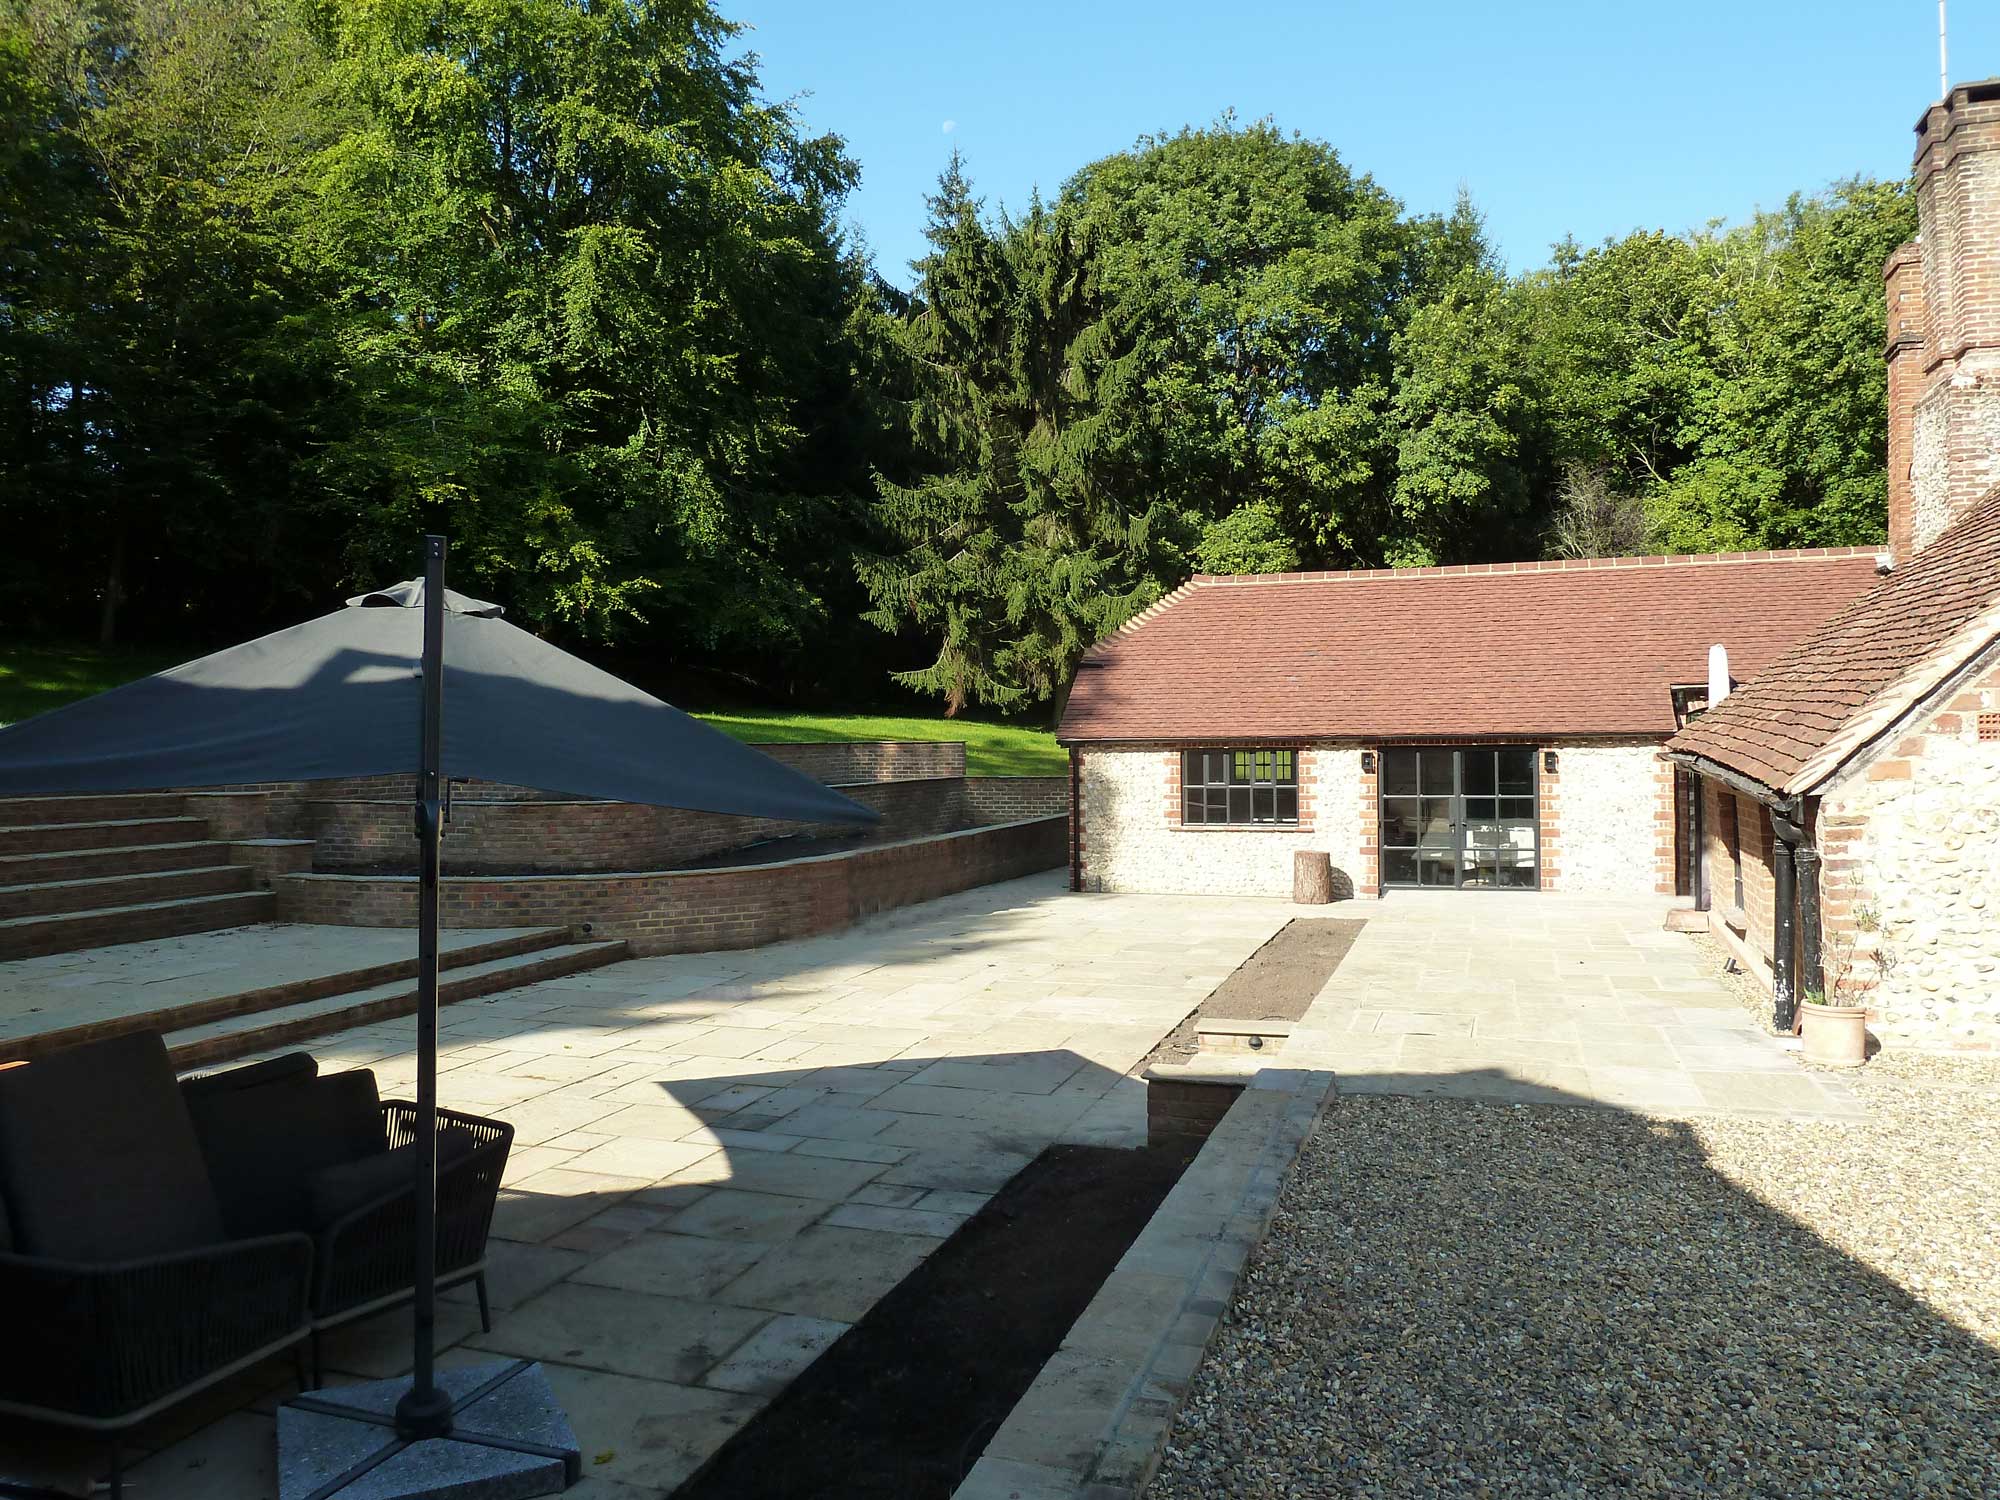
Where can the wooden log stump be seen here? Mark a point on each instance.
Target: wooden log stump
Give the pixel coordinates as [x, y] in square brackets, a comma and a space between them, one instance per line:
[1312, 877]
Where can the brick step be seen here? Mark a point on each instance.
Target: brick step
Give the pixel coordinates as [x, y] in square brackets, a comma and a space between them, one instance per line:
[199, 1013]
[29, 937]
[56, 838]
[51, 897]
[109, 807]
[224, 1041]
[119, 859]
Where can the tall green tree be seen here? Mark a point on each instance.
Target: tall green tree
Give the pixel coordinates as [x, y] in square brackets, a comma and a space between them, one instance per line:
[158, 403]
[591, 302]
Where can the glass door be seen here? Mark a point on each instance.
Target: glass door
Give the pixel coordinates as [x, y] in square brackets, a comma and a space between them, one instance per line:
[1459, 816]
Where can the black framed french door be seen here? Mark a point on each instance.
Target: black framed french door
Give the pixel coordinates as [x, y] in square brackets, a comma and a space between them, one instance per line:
[1460, 816]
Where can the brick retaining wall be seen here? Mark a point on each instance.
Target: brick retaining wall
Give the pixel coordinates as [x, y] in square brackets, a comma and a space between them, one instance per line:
[1009, 799]
[511, 835]
[690, 911]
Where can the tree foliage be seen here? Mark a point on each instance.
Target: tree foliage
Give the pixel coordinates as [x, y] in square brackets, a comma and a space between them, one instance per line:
[284, 283]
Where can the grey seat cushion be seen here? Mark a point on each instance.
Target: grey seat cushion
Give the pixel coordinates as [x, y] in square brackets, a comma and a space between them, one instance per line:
[98, 1156]
[264, 1144]
[293, 1066]
[337, 1191]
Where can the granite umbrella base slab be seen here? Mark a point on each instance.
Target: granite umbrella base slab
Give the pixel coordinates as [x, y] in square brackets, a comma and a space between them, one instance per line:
[509, 1440]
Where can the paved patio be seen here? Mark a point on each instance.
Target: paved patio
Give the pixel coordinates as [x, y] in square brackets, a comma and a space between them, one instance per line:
[1548, 999]
[722, 1161]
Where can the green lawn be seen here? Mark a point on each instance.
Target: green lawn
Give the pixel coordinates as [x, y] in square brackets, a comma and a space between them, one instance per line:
[990, 749]
[34, 679]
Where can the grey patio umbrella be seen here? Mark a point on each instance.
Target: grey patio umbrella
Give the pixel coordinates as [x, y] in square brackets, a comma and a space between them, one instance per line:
[363, 692]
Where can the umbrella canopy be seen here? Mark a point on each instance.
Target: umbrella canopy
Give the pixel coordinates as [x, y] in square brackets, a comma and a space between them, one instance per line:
[342, 696]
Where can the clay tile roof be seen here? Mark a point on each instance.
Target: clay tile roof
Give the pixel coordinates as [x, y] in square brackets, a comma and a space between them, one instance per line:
[1502, 649]
[1850, 679]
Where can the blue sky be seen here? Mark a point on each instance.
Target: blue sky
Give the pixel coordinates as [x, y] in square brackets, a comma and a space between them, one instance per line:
[1561, 118]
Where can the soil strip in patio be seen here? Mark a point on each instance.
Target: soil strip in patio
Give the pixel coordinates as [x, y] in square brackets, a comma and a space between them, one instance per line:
[1276, 983]
[909, 1397]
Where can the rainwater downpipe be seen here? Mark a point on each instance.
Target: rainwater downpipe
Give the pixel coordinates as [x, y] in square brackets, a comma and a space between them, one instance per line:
[1795, 889]
[1795, 913]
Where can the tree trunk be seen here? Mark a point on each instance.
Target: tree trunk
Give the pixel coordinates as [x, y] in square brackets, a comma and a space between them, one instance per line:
[114, 588]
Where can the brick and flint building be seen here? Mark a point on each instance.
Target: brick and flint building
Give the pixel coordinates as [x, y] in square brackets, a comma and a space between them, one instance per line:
[1548, 726]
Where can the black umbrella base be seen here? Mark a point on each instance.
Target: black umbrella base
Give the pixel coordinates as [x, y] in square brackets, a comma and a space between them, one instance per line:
[509, 1441]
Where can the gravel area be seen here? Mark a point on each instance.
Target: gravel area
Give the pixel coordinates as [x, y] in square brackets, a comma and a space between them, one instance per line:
[1468, 1299]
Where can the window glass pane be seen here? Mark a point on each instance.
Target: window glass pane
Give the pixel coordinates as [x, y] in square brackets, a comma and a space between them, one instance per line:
[1437, 771]
[1433, 870]
[1518, 807]
[1263, 765]
[1218, 804]
[1191, 768]
[1479, 773]
[1239, 804]
[1244, 762]
[1517, 770]
[1399, 866]
[1399, 773]
[1399, 820]
[1286, 770]
[1288, 804]
[1264, 804]
[1191, 807]
[1218, 766]
[1478, 809]
[1435, 830]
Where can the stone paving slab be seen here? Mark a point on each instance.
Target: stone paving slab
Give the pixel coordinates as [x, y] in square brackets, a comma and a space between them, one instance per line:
[60, 990]
[1548, 999]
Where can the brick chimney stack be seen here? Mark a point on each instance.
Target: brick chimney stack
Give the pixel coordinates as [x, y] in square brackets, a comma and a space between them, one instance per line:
[1908, 330]
[1944, 327]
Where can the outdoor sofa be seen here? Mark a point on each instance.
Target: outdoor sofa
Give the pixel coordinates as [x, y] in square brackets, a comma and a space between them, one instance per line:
[157, 1238]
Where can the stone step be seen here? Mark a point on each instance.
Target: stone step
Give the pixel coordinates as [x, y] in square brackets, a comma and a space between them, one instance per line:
[250, 1003]
[119, 859]
[65, 932]
[51, 897]
[1241, 1036]
[225, 1041]
[107, 807]
[51, 838]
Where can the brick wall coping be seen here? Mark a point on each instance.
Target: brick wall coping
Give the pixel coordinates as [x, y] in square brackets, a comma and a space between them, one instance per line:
[601, 876]
[459, 799]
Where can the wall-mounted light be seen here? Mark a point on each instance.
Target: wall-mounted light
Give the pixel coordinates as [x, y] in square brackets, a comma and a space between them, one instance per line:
[1549, 762]
[1367, 762]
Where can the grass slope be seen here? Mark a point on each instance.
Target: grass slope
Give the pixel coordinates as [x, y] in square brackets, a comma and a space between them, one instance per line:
[34, 679]
[990, 749]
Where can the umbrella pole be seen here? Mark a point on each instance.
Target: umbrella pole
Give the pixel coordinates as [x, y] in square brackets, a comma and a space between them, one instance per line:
[425, 1411]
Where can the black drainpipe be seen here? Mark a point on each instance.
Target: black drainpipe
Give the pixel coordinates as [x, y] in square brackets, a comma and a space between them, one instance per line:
[1784, 901]
[1794, 891]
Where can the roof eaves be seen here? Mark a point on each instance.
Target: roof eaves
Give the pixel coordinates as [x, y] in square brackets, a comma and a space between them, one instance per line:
[1886, 707]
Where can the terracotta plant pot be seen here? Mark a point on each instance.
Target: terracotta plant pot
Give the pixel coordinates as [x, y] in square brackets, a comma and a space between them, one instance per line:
[1836, 1036]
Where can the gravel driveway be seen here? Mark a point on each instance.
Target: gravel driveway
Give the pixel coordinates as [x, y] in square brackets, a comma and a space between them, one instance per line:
[1469, 1299]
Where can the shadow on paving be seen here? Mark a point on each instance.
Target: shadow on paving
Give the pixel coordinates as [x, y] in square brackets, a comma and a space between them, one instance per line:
[715, 1227]
[1469, 1297]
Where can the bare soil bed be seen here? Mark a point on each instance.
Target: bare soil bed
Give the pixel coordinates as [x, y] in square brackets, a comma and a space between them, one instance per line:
[1276, 983]
[906, 1401]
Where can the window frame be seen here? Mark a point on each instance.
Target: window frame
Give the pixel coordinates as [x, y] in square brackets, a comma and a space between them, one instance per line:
[1261, 780]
